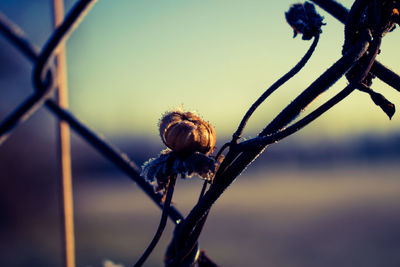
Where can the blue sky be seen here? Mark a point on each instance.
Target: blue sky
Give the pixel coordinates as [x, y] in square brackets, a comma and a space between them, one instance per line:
[130, 61]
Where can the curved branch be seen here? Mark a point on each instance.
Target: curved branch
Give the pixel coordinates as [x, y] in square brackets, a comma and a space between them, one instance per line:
[228, 172]
[274, 87]
[262, 141]
[329, 77]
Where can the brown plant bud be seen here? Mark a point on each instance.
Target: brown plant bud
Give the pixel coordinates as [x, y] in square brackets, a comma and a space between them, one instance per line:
[186, 133]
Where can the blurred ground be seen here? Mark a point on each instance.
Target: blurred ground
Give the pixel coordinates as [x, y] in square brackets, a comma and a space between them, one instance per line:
[346, 215]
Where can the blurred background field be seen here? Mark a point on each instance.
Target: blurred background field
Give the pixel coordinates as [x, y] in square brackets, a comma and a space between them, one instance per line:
[328, 196]
[316, 205]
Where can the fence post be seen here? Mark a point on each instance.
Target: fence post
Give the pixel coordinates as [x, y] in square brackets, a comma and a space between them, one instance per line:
[64, 148]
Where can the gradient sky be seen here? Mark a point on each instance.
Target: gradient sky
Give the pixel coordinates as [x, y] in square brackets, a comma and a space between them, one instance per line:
[130, 61]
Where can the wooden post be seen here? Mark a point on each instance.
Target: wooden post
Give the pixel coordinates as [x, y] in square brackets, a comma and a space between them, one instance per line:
[65, 184]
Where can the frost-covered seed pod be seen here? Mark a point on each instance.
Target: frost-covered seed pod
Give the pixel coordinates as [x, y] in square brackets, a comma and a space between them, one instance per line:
[185, 133]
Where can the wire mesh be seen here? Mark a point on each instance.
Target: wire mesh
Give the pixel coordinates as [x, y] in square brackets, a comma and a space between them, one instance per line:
[43, 73]
[45, 85]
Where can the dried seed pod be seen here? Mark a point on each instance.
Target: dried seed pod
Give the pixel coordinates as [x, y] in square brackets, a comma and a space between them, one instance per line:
[185, 133]
[304, 19]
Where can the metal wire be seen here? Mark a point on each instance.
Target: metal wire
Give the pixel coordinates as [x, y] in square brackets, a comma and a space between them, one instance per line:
[43, 76]
[45, 85]
[17, 37]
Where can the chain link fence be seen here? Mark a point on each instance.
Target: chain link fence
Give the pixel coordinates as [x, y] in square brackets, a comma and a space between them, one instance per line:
[45, 85]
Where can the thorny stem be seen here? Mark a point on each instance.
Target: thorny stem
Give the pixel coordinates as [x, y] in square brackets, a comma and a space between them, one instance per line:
[378, 69]
[274, 87]
[163, 222]
[228, 171]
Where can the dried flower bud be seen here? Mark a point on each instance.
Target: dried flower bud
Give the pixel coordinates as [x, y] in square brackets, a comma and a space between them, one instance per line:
[304, 19]
[185, 133]
[158, 170]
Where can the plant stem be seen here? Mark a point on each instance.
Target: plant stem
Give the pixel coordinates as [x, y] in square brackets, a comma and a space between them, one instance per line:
[352, 23]
[262, 141]
[334, 8]
[163, 222]
[229, 171]
[274, 87]
[378, 69]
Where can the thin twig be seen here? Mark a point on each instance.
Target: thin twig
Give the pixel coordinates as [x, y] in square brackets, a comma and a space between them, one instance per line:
[262, 141]
[320, 85]
[274, 87]
[163, 222]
